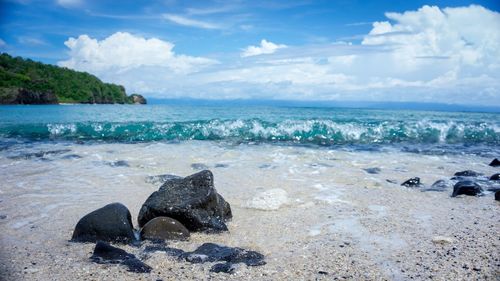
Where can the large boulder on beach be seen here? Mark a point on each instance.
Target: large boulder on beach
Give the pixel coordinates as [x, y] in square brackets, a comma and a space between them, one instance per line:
[470, 188]
[112, 222]
[192, 200]
[497, 195]
[164, 228]
[495, 177]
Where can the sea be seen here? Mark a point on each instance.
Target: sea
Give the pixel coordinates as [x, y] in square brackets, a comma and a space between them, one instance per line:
[431, 132]
[317, 190]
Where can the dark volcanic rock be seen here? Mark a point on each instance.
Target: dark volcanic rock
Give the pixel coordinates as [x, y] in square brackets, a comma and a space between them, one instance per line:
[112, 222]
[413, 182]
[495, 177]
[226, 267]
[192, 200]
[164, 228]
[221, 165]
[373, 170]
[210, 252]
[466, 187]
[105, 253]
[467, 173]
[161, 178]
[497, 195]
[495, 163]
[24, 96]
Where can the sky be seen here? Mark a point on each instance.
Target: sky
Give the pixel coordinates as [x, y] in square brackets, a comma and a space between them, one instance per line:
[303, 50]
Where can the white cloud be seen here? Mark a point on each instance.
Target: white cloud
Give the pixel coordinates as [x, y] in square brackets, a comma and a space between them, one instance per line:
[123, 51]
[26, 40]
[181, 20]
[2, 43]
[447, 55]
[69, 3]
[265, 47]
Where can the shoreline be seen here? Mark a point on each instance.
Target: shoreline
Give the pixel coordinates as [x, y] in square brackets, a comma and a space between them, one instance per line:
[334, 220]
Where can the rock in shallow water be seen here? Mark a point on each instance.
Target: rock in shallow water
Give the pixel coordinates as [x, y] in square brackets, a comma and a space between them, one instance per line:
[192, 200]
[161, 178]
[413, 182]
[497, 195]
[495, 163]
[466, 187]
[467, 173]
[495, 177]
[112, 222]
[105, 253]
[164, 228]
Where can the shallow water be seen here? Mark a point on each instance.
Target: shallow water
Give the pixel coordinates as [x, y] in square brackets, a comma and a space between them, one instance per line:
[307, 209]
[297, 180]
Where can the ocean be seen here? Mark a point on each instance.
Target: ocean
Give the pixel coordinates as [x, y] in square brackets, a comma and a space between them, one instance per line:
[316, 190]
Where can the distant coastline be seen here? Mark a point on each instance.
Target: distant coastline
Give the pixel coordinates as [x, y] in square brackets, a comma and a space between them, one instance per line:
[23, 81]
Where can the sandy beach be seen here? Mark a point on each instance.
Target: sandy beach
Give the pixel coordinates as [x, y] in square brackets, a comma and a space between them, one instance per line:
[313, 212]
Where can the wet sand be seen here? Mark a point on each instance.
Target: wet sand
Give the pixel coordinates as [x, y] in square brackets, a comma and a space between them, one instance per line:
[314, 213]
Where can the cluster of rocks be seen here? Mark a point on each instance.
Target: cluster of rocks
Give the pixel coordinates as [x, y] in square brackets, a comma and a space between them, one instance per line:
[180, 206]
[466, 182]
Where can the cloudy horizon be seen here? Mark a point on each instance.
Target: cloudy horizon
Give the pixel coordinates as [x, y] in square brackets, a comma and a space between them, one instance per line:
[435, 53]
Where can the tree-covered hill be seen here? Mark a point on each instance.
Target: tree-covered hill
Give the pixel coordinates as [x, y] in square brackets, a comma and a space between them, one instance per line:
[23, 81]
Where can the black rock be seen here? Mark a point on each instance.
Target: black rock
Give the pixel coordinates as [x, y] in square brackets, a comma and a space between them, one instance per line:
[161, 178]
[105, 253]
[373, 170]
[112, 222]
[467, 173]
[495, 163]
[226, 267]
[210, 252]
[192, 200]
[220, 165]
[467, 187]
[413, 182]
[497, 195]
[164, 228]
[495, 177]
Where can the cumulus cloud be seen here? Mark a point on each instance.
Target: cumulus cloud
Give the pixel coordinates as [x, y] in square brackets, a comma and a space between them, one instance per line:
[265, 47]
[123, 51]
[431, 54]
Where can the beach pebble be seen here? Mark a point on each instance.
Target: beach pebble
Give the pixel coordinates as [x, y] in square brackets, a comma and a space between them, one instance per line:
[210, 252]
[466, 187]
[112, 222]
[467, 173]
[495, 163]
[192, 200]
[107, 254]
[442, 240]
[268, 200]
[497, 195]
[164, 228]
[495, 177]
[413, 182]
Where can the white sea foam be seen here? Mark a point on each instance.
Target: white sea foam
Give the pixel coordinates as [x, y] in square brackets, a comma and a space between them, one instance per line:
[269, 200]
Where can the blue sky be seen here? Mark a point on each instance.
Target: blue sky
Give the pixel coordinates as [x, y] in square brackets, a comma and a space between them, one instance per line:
[420, 51]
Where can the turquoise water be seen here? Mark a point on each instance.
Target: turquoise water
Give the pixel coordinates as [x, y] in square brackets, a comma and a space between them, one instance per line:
[253, 124]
